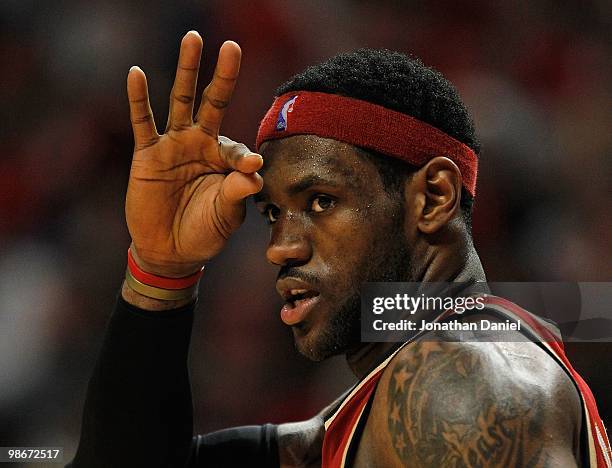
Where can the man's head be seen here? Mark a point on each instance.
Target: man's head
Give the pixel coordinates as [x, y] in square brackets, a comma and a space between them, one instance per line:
[342, 215]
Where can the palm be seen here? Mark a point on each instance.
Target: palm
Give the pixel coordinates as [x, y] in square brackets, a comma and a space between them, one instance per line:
[165, 194]
[187, 187]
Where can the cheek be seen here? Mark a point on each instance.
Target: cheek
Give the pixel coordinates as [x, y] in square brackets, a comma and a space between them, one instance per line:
[346, 243]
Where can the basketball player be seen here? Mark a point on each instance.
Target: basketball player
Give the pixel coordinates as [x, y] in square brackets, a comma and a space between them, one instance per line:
[369, 161]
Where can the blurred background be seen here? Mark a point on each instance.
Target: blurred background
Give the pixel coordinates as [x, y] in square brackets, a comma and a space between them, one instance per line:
[536, 75]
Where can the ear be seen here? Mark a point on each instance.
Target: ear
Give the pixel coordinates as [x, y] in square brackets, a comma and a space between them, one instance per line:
[436, 190]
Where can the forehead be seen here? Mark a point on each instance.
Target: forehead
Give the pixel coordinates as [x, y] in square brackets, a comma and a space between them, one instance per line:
[308, 156]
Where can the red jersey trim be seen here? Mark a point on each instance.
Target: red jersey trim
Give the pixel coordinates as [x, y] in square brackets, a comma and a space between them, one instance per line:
[340, 427]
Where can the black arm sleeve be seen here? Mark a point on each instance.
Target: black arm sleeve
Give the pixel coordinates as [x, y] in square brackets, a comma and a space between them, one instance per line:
[253, 446]
[138, 409]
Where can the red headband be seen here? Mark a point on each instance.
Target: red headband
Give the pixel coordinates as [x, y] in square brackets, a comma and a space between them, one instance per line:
[367, 125]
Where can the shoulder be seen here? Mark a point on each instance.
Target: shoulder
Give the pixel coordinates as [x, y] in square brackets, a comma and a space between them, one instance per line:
[479, 404]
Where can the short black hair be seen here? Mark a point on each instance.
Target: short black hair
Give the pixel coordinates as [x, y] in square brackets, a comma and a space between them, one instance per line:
[401, 83]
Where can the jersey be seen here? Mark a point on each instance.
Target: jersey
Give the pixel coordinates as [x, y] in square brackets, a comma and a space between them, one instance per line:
[343, 426]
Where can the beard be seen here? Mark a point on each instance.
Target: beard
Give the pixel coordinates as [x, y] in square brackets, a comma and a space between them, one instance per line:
[387, 260]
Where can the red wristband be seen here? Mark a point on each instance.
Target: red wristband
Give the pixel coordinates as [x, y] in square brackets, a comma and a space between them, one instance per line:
[161, 281]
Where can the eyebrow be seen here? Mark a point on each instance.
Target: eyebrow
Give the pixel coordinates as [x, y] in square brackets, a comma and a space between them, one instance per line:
[307, 182]
[299, 186]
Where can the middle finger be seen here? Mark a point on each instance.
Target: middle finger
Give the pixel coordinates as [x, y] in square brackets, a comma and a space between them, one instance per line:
[183, 91]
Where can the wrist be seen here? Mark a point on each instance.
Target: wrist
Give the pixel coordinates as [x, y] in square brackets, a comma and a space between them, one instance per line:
[164, 268]
[148, 303]
[151, 291]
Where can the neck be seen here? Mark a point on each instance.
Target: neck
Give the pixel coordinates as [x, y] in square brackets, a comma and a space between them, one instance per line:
[450, 265]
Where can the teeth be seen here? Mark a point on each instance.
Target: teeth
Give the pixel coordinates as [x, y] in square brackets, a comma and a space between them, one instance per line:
[295, 292]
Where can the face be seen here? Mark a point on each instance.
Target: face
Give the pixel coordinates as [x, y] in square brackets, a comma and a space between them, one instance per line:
[332, 228]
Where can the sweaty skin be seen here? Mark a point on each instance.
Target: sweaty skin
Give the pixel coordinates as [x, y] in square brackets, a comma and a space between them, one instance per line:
[333, 226]
[438, 403]
[330, 221]
[442, 403]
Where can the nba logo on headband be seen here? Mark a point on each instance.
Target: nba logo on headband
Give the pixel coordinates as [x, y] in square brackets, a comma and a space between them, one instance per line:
[281, 121]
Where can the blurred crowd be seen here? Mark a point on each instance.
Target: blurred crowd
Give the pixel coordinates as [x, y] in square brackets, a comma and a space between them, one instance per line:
[536, 75]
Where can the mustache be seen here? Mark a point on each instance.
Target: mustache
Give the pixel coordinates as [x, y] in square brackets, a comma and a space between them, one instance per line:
[294, 272]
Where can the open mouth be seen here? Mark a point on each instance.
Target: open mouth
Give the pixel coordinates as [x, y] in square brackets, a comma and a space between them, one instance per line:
[299, 302]
[298, 297]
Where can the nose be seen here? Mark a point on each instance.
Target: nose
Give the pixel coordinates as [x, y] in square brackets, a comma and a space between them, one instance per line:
[289, 243]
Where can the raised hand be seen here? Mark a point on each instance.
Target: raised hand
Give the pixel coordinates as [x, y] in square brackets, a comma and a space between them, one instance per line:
[187, 187]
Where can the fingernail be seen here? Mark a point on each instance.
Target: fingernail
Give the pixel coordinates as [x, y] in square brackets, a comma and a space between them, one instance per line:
[135, 67]
[194, 32]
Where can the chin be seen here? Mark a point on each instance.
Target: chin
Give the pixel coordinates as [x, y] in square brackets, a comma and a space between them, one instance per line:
[313, 352]
[319, 344]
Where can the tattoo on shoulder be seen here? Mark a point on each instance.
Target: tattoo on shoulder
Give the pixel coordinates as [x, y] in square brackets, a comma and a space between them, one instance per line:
[442, 412]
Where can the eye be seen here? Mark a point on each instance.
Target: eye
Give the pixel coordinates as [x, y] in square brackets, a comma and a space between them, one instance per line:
[271, 213]
[321, 203]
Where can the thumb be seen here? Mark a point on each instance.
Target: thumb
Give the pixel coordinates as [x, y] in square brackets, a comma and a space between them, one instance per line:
[235, 188]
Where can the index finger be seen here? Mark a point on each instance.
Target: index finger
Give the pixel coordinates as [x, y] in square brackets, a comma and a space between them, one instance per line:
[217, 95]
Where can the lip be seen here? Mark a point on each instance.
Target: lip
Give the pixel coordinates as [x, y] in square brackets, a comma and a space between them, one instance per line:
[292, 312]
[286, 285]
